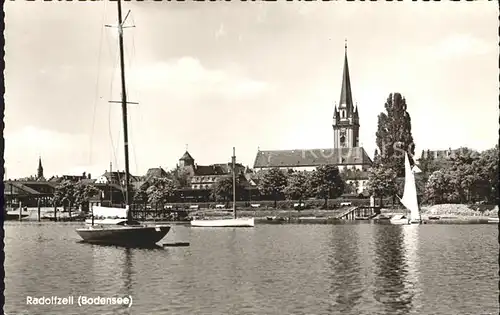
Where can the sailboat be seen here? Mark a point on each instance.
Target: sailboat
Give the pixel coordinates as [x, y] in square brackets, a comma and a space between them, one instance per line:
[122, 231]
[234, 222]
[409, 199]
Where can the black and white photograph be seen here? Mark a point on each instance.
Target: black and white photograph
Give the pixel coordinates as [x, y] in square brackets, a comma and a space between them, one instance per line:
[251, 157]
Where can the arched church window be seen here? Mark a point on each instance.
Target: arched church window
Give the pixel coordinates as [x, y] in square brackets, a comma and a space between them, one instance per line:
[343, 114]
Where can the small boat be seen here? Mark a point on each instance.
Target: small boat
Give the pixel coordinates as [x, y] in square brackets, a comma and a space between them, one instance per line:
[233, 222]
[122, 231]
[409, 199]
[493, 220]
[239, 222]
[274, 220]
[399, 219]
[11, 215]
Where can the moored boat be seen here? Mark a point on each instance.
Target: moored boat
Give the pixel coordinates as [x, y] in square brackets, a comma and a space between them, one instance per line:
[493, 220]
[233, 222]
[238, 222]
[121, 230]
[399, 219]
[124, 235]
[409, 199]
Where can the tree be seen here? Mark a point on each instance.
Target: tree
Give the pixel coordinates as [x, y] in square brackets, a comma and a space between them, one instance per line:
[160, 191]
[465, 173]
[428, 164]
[394, 134]
[298, 186]
[326, 182]
[351, 178]
[466, 176]
[381, 182]
[141, 195]
[83, 192]
[223, 188]
[180, 176]
[65, 194]
[273, 183]
[437, 187]
[487, 166]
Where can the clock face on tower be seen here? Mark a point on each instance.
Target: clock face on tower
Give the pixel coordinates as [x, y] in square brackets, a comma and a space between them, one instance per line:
[342, 138]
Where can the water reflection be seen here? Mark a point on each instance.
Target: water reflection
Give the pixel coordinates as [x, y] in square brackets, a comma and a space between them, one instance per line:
[395, 274]
[346, 287]
[358, 269]
[112, 274]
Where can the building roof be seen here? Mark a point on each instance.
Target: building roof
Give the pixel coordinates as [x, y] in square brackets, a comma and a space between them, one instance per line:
[103, 186]
[87, 180]
[311, 157]
[186, 157]
[119, 176]
[58, 179]
[216, 169]
[29, 186]
[156, 172]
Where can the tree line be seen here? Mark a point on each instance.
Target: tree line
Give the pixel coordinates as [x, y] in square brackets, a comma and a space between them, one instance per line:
[466, 176]
[463, 177]
[325, 182]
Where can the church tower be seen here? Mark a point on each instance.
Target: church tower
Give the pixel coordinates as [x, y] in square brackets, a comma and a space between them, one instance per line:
[186, 160]
[39, 175]
[345, 114]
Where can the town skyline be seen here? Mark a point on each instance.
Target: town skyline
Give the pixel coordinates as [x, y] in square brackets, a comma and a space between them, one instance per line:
[219, 76]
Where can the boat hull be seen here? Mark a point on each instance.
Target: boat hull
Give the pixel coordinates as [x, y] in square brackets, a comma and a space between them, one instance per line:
[404, 222]
[399, 221]
[124, 235]
[13, 216]
[493, 220]
[240, 222]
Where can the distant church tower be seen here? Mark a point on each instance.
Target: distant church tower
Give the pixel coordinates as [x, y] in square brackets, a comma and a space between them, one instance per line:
[345, 115]
[39, 175]
[186, 160]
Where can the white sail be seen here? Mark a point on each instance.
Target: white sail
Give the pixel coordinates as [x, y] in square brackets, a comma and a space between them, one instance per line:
[409, 199]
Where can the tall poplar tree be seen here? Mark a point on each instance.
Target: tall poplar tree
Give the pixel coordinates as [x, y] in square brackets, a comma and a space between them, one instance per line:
[394, 134]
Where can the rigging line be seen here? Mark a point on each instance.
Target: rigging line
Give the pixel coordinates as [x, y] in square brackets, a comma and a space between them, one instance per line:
[113, 150]
[132, 58]
[97, 82]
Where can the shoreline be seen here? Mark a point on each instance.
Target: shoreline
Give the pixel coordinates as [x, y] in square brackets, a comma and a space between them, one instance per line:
[440, 214]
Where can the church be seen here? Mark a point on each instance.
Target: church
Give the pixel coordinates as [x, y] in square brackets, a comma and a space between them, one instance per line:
[346, 152]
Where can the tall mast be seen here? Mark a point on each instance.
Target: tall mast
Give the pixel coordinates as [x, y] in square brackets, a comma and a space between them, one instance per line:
[234, 184]
[124, 109]
[111, 182]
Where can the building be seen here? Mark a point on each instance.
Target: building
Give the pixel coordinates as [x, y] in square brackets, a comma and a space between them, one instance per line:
[205, 176]
[346, 152]
[29, 193]
[439, 154]
[117, 177]
[73, 178]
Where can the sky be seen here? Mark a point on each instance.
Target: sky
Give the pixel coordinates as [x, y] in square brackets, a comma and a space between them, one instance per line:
[210, 76]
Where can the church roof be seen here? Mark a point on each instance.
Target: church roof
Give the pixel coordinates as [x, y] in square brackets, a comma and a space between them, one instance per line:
[311, 157]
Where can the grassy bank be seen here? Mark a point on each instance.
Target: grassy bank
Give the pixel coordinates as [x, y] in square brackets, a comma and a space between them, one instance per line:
[451, 211]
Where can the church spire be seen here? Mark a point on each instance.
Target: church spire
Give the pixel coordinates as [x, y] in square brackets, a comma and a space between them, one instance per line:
[345, 92]
[40, 168]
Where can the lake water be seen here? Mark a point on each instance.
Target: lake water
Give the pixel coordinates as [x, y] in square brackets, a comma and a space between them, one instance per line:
[270, 269]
